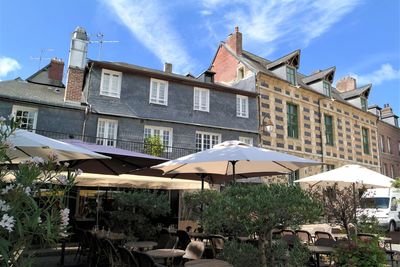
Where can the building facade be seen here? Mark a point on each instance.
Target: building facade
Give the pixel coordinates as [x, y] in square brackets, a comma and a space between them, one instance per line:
[310, 117]
[119, 104]
[389, 140]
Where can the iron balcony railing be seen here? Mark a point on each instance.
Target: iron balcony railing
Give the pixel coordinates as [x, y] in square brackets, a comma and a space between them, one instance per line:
[170, 152]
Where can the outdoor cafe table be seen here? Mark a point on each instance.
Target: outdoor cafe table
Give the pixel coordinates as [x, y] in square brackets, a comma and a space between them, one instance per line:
[140, 245]
[207, 263]
[317, 250]
[165, 253]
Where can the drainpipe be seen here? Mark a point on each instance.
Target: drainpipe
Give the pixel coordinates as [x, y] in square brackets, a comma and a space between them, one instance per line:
[88, 108]
[259, 112]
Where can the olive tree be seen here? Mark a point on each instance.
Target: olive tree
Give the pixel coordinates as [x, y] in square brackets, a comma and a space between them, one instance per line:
[257, 209]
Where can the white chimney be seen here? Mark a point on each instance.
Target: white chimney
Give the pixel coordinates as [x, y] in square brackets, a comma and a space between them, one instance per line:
[78, 49]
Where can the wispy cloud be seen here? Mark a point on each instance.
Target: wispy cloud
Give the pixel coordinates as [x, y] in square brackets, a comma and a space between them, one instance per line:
[8, 65]
[385, 73]
[271, 23]
[149, 22]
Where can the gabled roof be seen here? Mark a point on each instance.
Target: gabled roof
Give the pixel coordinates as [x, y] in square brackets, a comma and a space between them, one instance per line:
[364, 90]
[125, 67]
[34, 93]
[327, 75]
[42, 77]
[292, 59]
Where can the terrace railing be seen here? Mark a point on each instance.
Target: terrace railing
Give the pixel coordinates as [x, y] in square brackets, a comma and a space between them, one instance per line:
[170, 152]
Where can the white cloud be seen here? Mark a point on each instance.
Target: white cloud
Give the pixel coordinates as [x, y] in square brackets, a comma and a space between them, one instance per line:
[267, 24]
[148, 21]
[385, 73]
[8, 65]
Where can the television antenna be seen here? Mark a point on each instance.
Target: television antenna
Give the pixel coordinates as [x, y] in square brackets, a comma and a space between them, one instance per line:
[100, 40]
[40, 58]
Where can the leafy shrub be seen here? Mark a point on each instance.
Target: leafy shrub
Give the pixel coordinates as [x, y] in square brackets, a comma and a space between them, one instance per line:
[240, 254]
[360, 253]
[153, 146]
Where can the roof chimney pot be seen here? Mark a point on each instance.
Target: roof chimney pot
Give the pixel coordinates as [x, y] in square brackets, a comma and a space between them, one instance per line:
[167, 67]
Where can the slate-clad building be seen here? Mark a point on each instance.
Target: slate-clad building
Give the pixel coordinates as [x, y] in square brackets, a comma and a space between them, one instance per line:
[120, 104]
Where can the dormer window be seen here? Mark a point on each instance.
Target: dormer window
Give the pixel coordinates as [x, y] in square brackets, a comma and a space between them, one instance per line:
[364, 104]
[327, 89]
[291, 75]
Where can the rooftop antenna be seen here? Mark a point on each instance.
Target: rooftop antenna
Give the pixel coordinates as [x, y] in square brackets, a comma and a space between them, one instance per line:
[100, 40]
[40, 58]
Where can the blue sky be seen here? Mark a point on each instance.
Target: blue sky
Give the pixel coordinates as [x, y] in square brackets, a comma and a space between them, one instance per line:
[360, 37]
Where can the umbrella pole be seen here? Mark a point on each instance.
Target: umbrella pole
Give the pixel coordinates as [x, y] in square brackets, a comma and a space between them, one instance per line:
[233, 170]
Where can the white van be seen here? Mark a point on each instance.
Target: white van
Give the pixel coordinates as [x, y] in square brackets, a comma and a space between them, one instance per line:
[382, 203]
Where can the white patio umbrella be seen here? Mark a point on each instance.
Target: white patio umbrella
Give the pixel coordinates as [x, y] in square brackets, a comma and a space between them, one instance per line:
[27, 144]
[348, 175]
[232, 158]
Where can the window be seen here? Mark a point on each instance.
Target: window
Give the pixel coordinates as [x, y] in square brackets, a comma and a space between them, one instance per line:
[107, 132]
[382, 143]
[242, 106]
[27, 117]
[365, 140]
[292, 121]
[291, 75]
[206, 140]
[364, 104]
[246, 140]
[393, 204]
[329, 167]
[398, 148]
[389, 145]
[392, 171]
[293, 176]
[328, 129]
[159, 92]
[201, 99]
[164, 133]
[327, 89]
[384, 169]
[240, 74]
[110, 84]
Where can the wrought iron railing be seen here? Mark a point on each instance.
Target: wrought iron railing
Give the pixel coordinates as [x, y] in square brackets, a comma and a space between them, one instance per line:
[170, 152]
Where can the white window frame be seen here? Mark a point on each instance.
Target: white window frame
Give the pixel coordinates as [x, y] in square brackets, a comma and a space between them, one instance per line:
[111, 92]
[240, 110]
[30, 110]
[157, 99]
[246, 140]
[389, 145]
[201, 106]
[202, 144]
[107, 139]
[168, 146]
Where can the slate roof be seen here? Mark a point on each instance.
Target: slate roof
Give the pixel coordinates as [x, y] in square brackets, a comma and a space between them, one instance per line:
[357, 92]
[319, 75]
[34, 93]
[121, 66]
[42, 77]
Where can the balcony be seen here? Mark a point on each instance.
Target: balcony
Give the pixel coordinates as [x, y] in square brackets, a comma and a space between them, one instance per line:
[137, 146]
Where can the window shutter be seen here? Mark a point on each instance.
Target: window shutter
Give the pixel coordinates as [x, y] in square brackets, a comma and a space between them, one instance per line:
[196, 99]
[161, 96]
[106, 82]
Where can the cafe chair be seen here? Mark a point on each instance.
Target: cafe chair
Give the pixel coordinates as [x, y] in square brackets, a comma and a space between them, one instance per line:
[217, 244]
[163, 239]
[287, 232]
[145, 260]
[127, 259]
[320, 234]
[183, 239]
[304, 236]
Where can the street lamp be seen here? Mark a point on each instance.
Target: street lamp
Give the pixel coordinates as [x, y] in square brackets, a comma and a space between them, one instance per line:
[267, 124]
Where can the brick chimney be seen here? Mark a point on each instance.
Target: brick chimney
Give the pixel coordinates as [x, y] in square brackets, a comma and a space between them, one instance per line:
[76, 65]
[387, 110]
[234, 41]
[346, 84]
[56, 69]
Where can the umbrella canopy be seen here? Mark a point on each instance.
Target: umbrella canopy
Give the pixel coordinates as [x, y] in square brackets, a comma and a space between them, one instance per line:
[122, 161]
[232, 158]
[348, 175]
[28, 144]
[136, 181]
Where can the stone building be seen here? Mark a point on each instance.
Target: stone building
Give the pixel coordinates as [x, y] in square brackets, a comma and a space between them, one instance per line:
[389, 140]
[310, 117]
